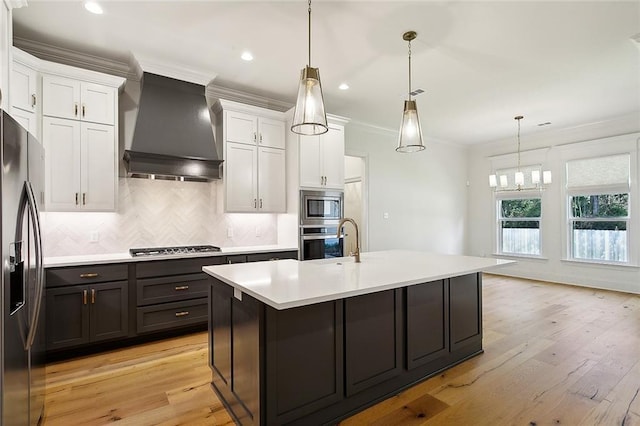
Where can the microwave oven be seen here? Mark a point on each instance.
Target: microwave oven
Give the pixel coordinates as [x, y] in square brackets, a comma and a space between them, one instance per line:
[321, 207]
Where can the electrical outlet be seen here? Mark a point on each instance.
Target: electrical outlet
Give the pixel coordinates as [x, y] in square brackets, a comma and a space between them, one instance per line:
[385, 215]
[94, 237]
[229, 232]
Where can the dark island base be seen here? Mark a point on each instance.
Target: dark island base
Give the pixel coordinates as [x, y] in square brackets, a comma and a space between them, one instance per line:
[321, 363]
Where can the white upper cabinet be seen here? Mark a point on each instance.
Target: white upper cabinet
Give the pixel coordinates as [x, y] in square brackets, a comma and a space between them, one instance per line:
[80, 137]
[79, 100]
[322, 159]
[254, 157]
[24, 87]
[24, 91]
[253, 129]
[80, 166]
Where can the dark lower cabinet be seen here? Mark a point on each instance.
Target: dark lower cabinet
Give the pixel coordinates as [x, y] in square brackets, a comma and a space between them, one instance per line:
[319, 363]
[373, 336]
[78, 315]
[427, 325]
[465, 300]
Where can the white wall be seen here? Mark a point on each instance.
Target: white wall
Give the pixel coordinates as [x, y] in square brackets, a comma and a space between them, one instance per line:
[481, 213]
[424, 193]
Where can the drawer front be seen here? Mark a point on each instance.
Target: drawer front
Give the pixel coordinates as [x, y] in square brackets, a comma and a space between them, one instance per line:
[171, 289]
[172, 315]
[160, 268]
[259, 257]
[58, 277]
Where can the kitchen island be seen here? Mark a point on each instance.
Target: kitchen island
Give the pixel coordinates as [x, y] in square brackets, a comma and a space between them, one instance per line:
[313, 342]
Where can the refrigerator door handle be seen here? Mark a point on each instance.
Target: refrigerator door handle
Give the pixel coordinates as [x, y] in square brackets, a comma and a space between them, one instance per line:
[35, 221]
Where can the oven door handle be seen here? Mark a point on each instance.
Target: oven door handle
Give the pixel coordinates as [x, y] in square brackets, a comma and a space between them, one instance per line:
[320, 237]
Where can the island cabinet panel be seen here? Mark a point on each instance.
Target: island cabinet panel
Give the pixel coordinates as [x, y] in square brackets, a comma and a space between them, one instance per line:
[465, 296]
[427, 322]
[304, 360]
[374, 336]
[220, 331]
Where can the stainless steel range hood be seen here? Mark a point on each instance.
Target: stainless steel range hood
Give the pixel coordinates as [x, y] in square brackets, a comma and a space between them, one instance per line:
[173, 136]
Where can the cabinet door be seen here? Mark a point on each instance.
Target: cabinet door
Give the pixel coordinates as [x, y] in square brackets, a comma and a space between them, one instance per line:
[310, 175]
[67, 317]
[98, 167]
[271, 180]
[26, 119]
[465, 301]
[271, 133]
[60, 97]
[241, 128]
[23, 87]
[332, 149]
[109, 310]
[241, 177]
[98, 103]
[62, 163]
[427, 322]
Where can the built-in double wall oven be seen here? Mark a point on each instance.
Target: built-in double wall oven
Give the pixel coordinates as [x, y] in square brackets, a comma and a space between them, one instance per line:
[320, 213]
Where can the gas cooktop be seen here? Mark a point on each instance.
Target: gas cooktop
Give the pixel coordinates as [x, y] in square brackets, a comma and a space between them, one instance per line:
[166, 251]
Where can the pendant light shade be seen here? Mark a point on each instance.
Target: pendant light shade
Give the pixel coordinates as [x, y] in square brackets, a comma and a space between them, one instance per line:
[309, 117]
[410, 138]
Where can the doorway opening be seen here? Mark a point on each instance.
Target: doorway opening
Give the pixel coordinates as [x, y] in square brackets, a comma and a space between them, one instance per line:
[356, 201]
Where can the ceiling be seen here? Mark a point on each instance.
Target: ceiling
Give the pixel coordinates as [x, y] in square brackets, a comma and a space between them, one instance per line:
[480, 63]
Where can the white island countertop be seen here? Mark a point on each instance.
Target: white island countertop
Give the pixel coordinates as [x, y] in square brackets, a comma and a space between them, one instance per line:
[285, 284]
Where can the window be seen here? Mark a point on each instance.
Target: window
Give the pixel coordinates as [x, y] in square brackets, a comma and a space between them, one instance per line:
[519, 226]
[598, 194]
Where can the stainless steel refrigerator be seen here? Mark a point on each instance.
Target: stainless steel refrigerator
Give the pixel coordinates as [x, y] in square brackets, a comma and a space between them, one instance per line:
[22, 340]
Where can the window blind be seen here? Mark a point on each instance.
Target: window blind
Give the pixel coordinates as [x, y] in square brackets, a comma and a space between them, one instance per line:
[613, 170]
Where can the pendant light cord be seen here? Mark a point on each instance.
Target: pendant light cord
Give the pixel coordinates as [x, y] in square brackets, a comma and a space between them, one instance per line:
[309, 63]
[519, 118]
[409, 69]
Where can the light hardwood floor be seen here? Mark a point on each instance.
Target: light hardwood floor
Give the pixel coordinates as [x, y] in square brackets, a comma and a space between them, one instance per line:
[554, 355]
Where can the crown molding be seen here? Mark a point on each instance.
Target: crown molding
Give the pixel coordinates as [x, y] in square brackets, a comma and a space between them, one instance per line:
[74, 58]
[16, 4]
[220, 92]
[141, 63]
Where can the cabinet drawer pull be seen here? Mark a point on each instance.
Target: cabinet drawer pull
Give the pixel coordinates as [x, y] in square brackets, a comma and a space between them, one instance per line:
[33, 101]
[75, 110]
[93, 296]
[84, 297]
[83, 109]
[89, 275]
[255, 203]
[77, 198]
[260, 202]
[84, 198]
[182, 287]
[255, 136]
[260, 137]
[182, 314]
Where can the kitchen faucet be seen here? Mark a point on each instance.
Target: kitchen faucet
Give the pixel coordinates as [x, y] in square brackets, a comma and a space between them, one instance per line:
[355, 225]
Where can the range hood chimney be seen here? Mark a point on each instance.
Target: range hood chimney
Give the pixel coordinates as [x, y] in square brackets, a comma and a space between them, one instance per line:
[173, 136]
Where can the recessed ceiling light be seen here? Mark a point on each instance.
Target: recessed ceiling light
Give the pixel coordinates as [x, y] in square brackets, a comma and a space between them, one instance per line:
[343, 86]
[93, 7]
[247, 56]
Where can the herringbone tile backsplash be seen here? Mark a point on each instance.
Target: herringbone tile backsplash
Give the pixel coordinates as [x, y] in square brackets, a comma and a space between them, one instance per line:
[155, 213]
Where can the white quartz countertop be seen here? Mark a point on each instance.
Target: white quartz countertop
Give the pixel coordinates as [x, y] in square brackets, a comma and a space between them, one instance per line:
[285, 284]
[95, 259]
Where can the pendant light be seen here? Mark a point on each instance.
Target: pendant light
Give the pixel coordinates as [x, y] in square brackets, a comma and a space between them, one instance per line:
[410, 138]
[309, 117]
[519, 175]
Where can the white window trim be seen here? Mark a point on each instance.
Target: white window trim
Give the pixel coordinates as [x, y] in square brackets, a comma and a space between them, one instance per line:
[497, 240]
[624, 144]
